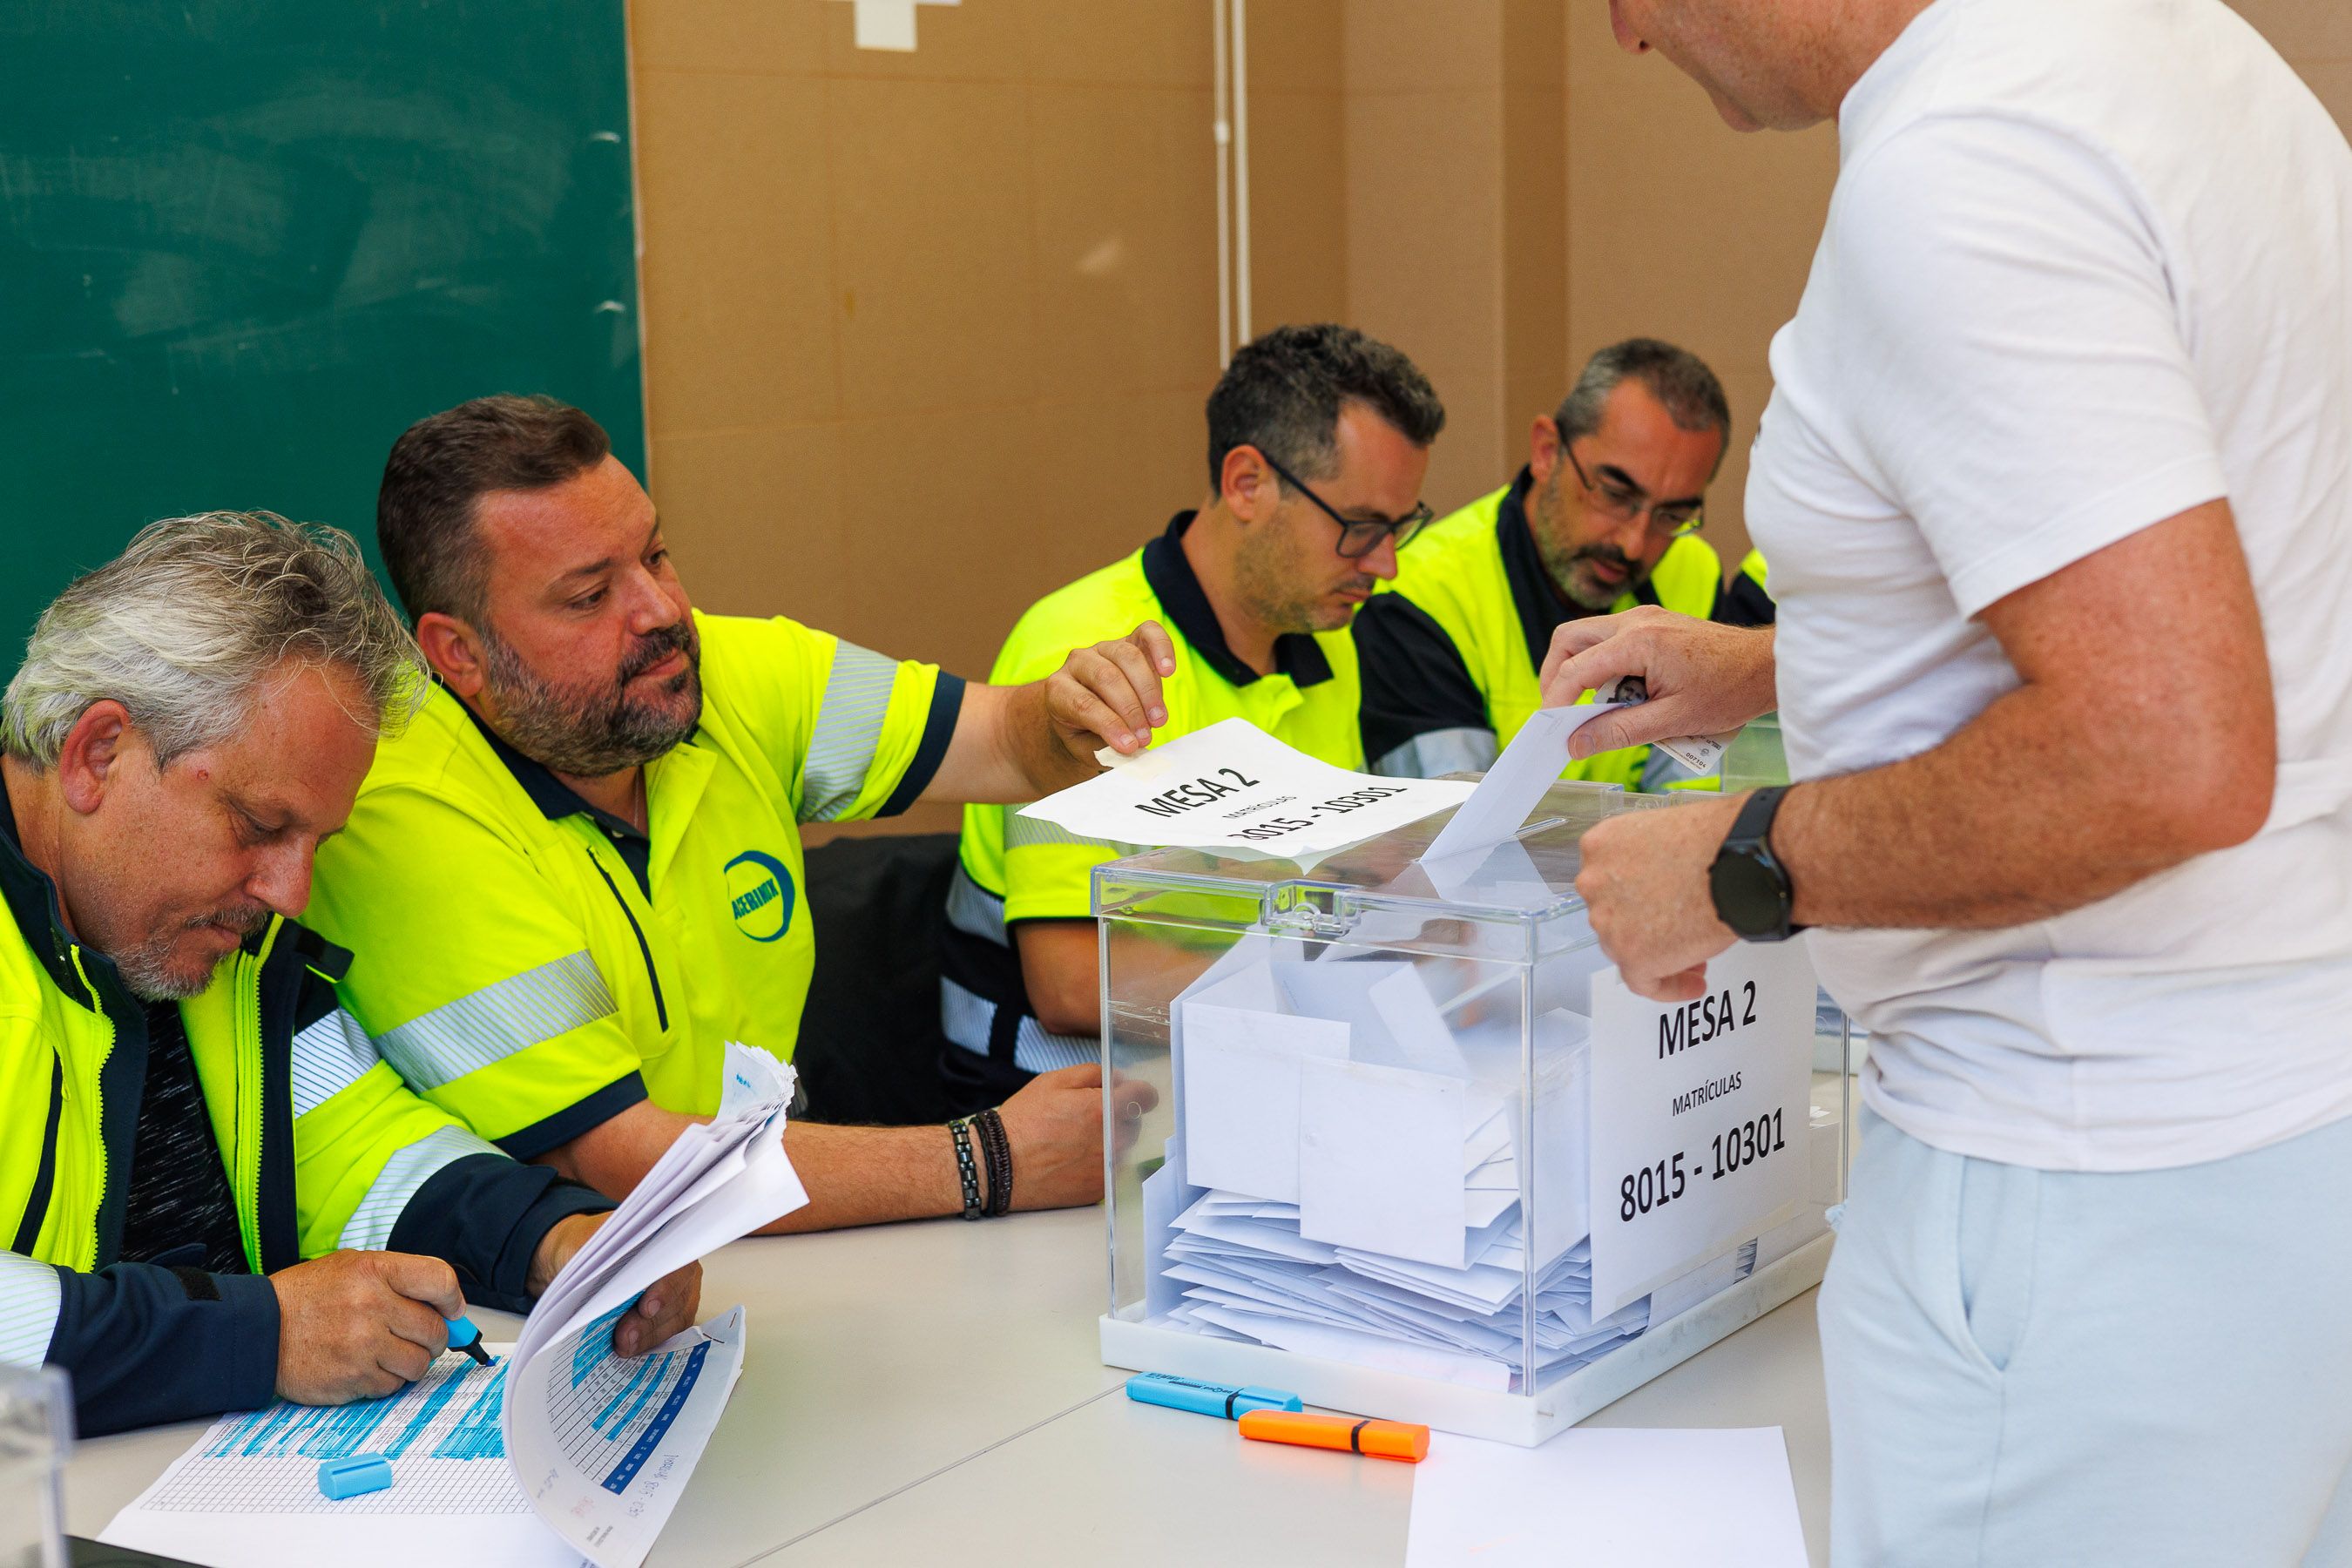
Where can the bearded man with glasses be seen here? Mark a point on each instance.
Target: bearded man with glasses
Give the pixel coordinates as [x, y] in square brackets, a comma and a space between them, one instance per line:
[1605, 516]
[1318, 441]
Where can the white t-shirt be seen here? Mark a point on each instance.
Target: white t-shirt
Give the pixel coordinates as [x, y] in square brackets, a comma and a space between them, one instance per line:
[2088, 265]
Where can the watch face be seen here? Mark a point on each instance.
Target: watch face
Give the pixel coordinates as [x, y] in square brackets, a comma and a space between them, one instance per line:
[1748, 895]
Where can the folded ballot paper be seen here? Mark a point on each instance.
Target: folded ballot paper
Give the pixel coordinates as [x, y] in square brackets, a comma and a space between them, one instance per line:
[1357, 1128]
[563, 1452]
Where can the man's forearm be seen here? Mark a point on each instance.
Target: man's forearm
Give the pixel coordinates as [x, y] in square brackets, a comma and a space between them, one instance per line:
[1004, 750]
[1989, 828]
[854, 1175]
[870, 1175]
[1027, 739]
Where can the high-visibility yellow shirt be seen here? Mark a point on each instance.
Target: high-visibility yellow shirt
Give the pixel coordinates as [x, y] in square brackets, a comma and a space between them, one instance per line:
[537, 967]
[1451, 649]
[1015, 868]
[320, 1146]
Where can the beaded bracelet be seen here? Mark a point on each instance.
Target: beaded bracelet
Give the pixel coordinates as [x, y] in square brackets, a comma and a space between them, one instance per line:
[961, 1131]
[998, 1151]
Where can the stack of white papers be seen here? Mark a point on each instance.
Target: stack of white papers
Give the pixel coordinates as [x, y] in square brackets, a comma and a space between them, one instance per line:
[562, 1453]
[1248, 1274]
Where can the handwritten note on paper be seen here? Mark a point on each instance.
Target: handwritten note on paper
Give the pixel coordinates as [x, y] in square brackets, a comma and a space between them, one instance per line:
[1234, 786]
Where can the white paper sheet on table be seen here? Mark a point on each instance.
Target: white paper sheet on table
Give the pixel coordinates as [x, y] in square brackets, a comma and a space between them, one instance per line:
[1607, 1496]
[1234, 788]
[1530, 765]
[606, 1444]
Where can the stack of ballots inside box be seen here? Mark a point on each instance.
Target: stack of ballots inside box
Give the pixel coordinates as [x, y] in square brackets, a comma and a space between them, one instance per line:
[1353, 1125]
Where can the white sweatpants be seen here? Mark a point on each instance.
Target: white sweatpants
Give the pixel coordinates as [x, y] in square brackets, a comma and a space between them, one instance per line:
[2039, 1369]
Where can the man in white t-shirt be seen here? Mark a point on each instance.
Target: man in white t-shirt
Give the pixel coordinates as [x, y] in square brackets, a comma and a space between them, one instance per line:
[2056, 483]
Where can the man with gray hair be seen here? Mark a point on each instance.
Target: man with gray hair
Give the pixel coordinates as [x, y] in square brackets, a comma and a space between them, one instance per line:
[1605, 516]
[217, 1193]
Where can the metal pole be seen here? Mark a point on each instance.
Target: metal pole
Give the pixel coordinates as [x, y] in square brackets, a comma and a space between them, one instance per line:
[1241, 172]
[1223, 133]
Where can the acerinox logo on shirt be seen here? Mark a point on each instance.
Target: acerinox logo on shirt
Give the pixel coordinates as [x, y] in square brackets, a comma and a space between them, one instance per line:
[760, 895]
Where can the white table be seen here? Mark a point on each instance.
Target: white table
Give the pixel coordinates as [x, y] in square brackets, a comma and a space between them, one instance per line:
[934, 1388]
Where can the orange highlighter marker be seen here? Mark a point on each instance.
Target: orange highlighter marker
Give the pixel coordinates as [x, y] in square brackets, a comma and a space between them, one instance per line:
[1381, 1439]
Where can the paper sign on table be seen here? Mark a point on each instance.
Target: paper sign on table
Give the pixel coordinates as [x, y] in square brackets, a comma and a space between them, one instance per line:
[1232, 786]
[1700, 1116]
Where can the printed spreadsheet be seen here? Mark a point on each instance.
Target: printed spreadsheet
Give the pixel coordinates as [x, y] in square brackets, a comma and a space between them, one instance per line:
[441, 1433]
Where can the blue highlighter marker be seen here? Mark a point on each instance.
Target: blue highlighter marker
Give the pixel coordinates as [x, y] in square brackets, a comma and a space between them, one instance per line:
[464, 1336]
[1207, 1398]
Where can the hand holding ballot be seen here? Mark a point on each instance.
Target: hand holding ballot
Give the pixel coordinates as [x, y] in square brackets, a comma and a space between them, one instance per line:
[1108, 694]
[1644, 886]
[1702, 678]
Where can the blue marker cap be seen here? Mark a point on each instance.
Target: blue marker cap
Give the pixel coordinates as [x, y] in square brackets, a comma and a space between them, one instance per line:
[1207, 1398]
[464, 1336]
[353, 1474]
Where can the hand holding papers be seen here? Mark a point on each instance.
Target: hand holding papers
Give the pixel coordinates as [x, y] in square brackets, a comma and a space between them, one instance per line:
[604, 1446]
[1701, 755]
[563, 1450]
[1234, 788]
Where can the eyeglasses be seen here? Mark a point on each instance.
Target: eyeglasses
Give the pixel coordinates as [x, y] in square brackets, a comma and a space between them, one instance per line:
[1666, 519]
[1357, 538]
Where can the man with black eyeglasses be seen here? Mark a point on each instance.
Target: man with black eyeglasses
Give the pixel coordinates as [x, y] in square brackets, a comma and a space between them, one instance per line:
[1318, 440]
[1605, 516]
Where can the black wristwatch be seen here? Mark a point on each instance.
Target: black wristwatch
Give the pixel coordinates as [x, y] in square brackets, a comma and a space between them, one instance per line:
[1751, 889]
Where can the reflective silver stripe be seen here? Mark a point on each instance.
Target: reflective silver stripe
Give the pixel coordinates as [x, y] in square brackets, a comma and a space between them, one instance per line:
[492, 1024]
[29, 1294]
[1022, 831]
[329, 1057]
[408, 1170]
[965, 1015]
[975, 910]
[848, 728]
[1038, 1051]
[1441, 752]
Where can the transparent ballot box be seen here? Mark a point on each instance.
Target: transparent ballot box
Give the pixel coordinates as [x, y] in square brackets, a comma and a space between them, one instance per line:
[1417, 1151]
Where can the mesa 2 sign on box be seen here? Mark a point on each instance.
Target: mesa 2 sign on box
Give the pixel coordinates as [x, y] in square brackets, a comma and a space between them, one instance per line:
[1699, 1116]
[1232, 786]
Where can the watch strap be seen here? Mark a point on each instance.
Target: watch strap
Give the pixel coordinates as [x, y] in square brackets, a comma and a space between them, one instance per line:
[1751, 841]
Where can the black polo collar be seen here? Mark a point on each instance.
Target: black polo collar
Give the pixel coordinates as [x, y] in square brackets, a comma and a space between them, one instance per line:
[1173, 583]
[555, 799]
[1541, 609]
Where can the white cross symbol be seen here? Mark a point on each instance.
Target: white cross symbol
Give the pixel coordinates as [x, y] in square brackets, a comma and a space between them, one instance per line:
[889, 23]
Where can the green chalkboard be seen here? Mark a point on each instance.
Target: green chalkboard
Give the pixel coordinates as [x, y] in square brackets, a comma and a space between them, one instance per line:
[243, 244]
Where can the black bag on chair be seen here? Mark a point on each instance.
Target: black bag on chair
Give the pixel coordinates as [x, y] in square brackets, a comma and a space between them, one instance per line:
[869, 1040]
